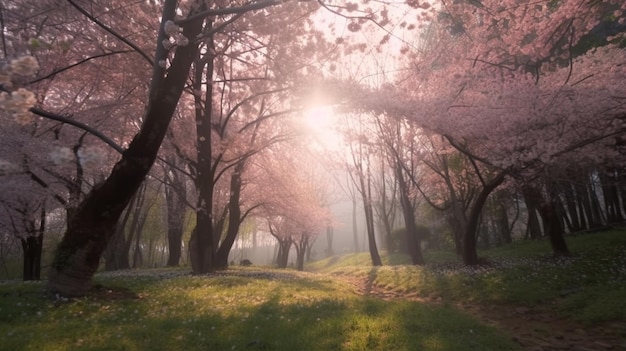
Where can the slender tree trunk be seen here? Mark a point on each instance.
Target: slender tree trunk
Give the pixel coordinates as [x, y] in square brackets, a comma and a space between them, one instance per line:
[93, 224]
[234, 217]
[533, 227]
[551, 220]
[204, 240]
[329, 241]
[502, 220]
[355, 230]
[470, 255]
[412, 236]
[174, 197]
[611, 198]
[301, 247]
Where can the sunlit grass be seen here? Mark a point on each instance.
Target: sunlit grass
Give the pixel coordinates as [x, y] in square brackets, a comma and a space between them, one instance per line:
[243, 309]
[588, 286]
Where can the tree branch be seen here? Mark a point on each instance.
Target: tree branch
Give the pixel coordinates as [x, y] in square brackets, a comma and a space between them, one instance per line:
[77, 124]
[55, 72]
[112, 32]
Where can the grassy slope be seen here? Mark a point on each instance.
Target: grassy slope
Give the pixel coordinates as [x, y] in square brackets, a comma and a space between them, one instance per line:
[250, 310]
[588, 286]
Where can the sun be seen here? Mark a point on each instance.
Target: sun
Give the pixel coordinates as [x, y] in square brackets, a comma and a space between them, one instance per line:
[321, 124]
[319, 118]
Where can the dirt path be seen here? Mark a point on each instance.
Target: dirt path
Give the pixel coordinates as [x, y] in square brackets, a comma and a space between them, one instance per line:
[533, 329]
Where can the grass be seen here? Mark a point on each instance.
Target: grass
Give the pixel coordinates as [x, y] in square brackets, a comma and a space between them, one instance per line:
[263, 309]
[247, 309]
[589, 286]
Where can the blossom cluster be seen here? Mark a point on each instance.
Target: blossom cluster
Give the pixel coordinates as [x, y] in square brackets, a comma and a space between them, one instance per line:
[175, 36]
[17, 102]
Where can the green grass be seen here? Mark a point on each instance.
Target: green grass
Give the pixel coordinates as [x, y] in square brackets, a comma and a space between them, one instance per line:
[249, 309]
[263, 309]
[589, 286]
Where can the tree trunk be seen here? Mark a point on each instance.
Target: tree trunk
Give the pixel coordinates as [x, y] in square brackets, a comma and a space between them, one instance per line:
[412, 236]
[355, 230]
[234, 217]
[533, 228]
[174, 196]
[329, 242]
[301, 247]
[553, 227]
[203, 240]
[502, 220]
[32, 247]
[282, 259]
[551, 220]
[93, 224]
[113, 254]
[470, 255]
[611, 198]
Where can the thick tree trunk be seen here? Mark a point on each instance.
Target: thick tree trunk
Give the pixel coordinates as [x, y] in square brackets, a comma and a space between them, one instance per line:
[282, 259]
[94, 222]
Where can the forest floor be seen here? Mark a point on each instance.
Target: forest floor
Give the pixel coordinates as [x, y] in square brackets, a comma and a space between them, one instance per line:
[532, 328]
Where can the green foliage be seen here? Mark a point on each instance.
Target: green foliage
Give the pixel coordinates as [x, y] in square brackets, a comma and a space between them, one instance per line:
[245, 309]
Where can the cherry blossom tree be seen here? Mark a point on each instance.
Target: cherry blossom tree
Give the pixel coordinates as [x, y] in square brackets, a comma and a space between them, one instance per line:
[95, 219]
[507, 89]
[296, 197]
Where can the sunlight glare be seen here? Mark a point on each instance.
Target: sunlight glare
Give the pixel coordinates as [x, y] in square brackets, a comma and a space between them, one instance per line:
[319, 118]
[321, 124]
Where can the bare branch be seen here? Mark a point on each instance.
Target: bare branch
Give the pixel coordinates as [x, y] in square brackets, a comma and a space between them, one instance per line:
[257, 5]
[80, 125]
